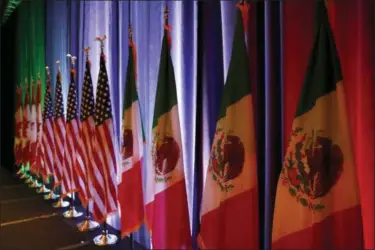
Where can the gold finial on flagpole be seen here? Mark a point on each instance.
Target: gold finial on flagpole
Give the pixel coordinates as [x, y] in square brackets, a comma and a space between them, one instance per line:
[101, 40]
[130, 32]
[87, 51]
[47, 70]
[72, 59]
[58, 65]
[38, 75]
[166, 10]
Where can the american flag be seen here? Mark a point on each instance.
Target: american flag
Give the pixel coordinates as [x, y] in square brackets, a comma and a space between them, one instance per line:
[72, 140]
[59, 134]
[48, 142]
[87, 134]
[104, 148]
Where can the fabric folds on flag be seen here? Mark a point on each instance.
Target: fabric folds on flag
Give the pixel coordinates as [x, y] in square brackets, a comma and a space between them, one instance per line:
[33, 129]
[25, 127]
[88, 171]
[59, 137]
[130, 192]
[106, 177]
[167, 215]
[37, 162]
[317, 201]
[229, 212]
[72, 140]
[48, 140]
[18, 127]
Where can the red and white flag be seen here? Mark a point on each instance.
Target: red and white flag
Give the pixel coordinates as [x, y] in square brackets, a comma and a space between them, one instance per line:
[87, 170]
[72, 158]
[46, 156]
[59, 137]
[106, 175]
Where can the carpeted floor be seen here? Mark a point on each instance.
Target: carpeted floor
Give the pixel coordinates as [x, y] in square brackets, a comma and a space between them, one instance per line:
[30, 222]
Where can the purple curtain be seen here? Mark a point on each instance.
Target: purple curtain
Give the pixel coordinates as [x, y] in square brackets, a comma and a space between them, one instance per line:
[202, 34]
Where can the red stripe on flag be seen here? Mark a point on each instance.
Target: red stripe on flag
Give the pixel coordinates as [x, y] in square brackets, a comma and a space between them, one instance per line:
[131, 199]
[341, 230]
[233, 225]
[168, 218]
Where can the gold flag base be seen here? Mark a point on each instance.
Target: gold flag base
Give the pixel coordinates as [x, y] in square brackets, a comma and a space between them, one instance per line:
[51, 196]
[105, 239]
[60, 203]
[35, 184]
[30, 180]
[19, 172]
[72, 213]
[87, 225]
[42, 190]
[23, 176]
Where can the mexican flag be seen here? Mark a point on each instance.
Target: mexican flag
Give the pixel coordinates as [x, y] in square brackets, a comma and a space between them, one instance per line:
[229, 212]
[25, 127]
[33, 129]
[18, 128]
[130, 193]
[167, 214]
[317, 201]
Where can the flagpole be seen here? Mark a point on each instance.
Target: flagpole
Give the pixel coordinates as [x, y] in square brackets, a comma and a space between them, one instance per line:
[60, 203]
[72, 212]
[87, 224]
[105, 238]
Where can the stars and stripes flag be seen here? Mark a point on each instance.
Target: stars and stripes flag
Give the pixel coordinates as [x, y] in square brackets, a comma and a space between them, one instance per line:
[106, 179]
[48, 140]
[18, 127]
[36, 162]
[72, 158]
[59, 136]
[86, 171]
[25, 126]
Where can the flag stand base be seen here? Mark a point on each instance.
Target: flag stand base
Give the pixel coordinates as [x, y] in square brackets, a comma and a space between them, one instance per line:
[105, 239]
[19, 172]
[72, 213]
[30, 180]
[43, 190]
[87, 225]
[23, 176]
[51, 196]
[35, 184]
[60, 203]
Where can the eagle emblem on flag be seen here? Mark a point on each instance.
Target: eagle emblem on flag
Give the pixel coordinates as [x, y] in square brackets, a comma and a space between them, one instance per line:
[127, 143]
[227, 159]
[165, 155]
[313, 165]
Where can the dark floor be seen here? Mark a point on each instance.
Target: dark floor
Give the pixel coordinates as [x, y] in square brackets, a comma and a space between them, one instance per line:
[29, 222]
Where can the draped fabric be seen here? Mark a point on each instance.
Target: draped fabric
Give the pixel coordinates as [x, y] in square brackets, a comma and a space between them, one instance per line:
[353, 28]
[30, 35]
[279, 40]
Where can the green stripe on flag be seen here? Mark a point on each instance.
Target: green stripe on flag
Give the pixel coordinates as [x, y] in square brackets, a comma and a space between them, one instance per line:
[324, 70]
[166, 94]
[238, 71]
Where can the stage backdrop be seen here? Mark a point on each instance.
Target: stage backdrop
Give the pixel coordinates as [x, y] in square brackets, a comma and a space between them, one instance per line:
[279, 42]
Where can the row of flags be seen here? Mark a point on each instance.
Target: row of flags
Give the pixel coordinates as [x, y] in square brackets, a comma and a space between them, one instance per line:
[317, 202]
